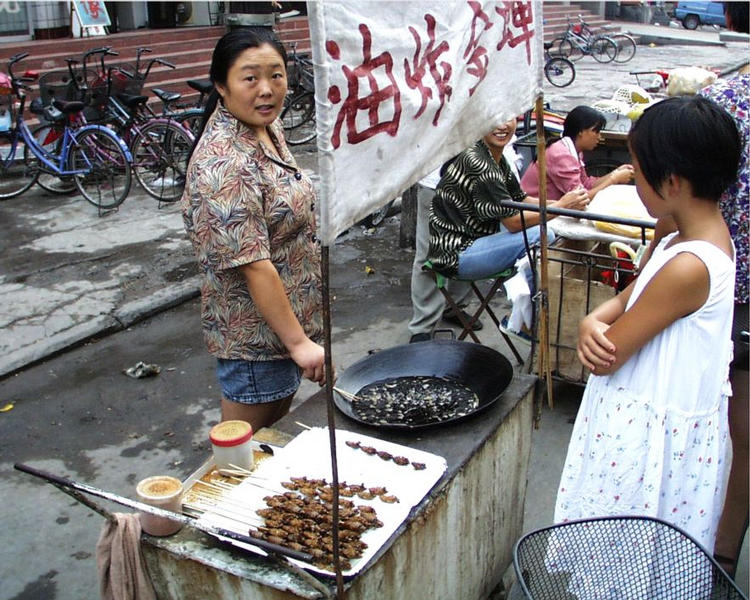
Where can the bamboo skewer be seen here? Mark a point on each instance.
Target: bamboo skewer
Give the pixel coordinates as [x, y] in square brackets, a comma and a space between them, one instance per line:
[347, 395]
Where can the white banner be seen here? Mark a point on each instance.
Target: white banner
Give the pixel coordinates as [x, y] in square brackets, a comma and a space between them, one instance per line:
[401, 87]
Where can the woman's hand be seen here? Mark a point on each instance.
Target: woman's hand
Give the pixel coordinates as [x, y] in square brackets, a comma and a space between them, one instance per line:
[594, 349]
[310, 357]
[622, 174]
[577, 199]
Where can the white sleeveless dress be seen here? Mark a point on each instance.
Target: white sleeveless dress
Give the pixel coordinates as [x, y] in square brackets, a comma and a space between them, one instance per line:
[651, 439]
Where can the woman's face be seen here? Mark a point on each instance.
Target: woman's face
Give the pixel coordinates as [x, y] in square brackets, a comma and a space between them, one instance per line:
[256, 86]
[588, 139]
[499, 137]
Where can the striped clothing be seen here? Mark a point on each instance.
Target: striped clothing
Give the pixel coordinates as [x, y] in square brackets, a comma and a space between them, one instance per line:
[466, 204]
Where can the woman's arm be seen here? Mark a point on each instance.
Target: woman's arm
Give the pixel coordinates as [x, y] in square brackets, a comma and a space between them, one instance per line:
[268, 294]
[576, 199]
[622, 174]
[679, 288]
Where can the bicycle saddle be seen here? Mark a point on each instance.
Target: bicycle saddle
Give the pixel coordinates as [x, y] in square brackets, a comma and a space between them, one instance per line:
[132, 101]
[68, 107]
[202, 86]
[166, 96]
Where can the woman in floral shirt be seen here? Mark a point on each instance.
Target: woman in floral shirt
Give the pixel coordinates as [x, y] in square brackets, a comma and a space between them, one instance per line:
[248, 211]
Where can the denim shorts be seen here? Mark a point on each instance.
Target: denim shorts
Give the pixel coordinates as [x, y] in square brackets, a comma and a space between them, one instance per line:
[258, 382]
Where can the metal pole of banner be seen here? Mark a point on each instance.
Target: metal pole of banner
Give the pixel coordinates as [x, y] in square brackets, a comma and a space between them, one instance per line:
[544, 368]
[325, 274]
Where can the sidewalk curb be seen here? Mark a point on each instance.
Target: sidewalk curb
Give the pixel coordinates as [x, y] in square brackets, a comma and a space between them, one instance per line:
[122, 318]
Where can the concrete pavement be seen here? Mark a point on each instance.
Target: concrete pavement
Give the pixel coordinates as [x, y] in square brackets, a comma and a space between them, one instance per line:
[68, 275]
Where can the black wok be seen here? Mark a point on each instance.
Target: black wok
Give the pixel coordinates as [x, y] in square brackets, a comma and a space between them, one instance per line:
[483, 370]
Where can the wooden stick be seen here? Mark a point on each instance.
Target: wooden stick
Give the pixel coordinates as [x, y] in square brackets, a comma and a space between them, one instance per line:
[303, 425]
[348, 395]
[545, 369]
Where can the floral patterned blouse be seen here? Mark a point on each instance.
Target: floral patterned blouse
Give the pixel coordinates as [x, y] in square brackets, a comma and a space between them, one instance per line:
[244, 204]
[734, 95]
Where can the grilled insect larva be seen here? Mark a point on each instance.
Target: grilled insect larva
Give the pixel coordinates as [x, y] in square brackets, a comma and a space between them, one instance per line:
[419, 466]
[377, 490]
[389, 499]
[385, 455]
[352, 444]
[401, 460]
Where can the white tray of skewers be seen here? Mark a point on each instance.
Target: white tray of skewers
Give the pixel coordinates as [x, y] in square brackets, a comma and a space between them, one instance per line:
[286, 499]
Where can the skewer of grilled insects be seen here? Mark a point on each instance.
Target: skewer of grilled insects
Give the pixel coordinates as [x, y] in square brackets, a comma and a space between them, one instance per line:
[347, 395]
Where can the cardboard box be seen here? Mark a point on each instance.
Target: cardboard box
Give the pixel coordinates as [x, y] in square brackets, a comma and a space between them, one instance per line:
[575, 289]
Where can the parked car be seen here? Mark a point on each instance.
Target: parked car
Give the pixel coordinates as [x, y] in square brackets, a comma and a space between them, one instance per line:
[693, 14]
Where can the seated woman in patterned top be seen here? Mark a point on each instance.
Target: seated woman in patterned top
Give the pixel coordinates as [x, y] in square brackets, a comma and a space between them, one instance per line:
[471, 235]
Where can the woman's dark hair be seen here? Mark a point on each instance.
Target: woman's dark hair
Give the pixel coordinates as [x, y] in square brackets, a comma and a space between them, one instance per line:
[226, 52]
[580, 118]
[738, 16]
[689, 136]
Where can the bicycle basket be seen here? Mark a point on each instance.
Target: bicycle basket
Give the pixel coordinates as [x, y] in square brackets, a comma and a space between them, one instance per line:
[577, 29]
[126, 80]
[58, 85]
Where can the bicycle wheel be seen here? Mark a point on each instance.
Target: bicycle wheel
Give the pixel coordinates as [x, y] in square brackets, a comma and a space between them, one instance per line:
[190, 119]
[625, 47]
[105, 175]
[559, 71]
[16, 175]
[559, 46]
[298, 119]
[50, 137]
[160, 154]
[603, 49]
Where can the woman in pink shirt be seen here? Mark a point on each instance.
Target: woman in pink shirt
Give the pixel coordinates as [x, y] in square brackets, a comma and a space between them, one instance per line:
[565, 167]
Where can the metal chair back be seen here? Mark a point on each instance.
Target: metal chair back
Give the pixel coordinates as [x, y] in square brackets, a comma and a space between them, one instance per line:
[608, 558]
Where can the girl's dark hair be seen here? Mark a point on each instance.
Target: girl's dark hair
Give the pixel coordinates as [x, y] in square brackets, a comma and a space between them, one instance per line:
[580, 118]
[738, 16]
[689, 136]
[226, 52]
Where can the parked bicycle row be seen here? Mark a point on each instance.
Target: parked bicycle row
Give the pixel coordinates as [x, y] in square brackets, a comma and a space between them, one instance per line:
[91, 128]
[580, 40]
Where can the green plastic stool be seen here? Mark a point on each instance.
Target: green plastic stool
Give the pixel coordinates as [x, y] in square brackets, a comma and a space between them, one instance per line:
[484, 302]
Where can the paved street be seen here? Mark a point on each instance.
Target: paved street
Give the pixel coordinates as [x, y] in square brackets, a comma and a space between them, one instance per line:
[69, 277]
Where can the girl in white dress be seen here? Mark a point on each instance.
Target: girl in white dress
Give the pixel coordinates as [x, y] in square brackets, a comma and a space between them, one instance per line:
[651, 433]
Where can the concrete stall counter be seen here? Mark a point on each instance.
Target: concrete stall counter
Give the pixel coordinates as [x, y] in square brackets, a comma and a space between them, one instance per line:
[456, 543]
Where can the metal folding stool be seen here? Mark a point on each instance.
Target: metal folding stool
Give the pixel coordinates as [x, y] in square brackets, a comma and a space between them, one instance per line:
[497, 280]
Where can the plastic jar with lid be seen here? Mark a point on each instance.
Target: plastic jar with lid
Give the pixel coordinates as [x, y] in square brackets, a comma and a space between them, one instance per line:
[231, 441]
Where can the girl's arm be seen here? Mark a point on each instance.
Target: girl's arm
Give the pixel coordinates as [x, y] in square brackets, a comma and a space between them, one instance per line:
[610, 335]
[268, 294]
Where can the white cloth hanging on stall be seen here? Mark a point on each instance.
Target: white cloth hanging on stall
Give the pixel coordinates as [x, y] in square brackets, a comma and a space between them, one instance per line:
[402, 87]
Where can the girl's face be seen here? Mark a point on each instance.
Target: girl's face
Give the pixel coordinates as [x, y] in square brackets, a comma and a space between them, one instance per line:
[588, 139]
[256, 86]
[499, 137]
[651, 199]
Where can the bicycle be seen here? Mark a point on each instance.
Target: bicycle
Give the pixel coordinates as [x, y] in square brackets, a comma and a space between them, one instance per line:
[558, 70]
[578, 41]
[298, 116]
[159, 144]
[626, 45]
[96, 158]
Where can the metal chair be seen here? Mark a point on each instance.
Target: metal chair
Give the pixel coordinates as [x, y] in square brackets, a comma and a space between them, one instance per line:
[623, 558]
[484, 303]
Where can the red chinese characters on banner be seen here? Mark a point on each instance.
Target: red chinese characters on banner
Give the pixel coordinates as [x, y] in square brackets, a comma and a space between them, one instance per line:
[520, 15]
[370, 102]
[429, 61]
[477, 63]
[93, 8]
[365, 89]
